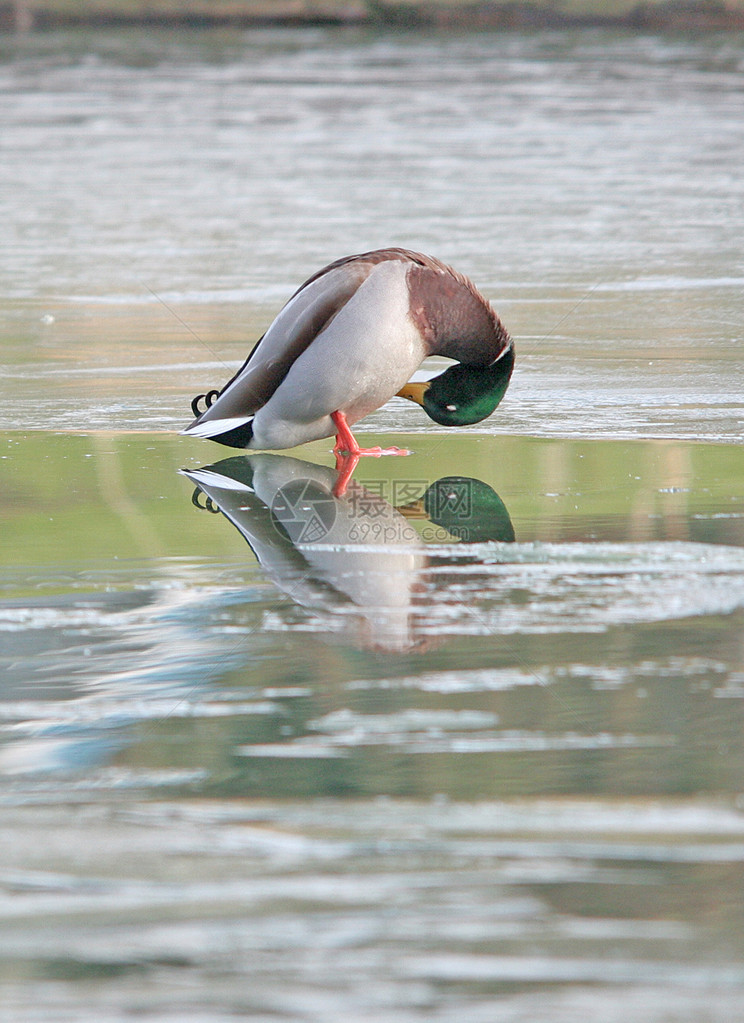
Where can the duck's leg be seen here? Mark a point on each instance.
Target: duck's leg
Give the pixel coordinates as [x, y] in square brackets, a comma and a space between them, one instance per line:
[345, 466]
[346, 442]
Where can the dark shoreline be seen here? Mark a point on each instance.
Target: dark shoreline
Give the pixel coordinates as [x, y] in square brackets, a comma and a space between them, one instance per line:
[653, 15]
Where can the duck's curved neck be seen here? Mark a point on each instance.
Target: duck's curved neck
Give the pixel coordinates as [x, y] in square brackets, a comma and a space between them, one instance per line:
[454, 319]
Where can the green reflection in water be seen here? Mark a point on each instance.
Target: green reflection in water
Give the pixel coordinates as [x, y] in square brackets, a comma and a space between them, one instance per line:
[600, 654]
[69, 499]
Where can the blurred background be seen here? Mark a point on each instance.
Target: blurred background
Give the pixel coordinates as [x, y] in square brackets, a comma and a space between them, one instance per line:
[484, 764]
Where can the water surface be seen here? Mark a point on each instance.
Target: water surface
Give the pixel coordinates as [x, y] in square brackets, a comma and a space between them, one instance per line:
[464, 742]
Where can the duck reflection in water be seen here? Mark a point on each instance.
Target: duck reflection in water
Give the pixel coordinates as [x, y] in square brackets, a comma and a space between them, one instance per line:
[355, 560]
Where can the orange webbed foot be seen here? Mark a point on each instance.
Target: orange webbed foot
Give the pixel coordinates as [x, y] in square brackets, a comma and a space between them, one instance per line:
[346, 442]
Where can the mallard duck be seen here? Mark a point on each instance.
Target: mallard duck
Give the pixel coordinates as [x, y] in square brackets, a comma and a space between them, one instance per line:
[347, 341]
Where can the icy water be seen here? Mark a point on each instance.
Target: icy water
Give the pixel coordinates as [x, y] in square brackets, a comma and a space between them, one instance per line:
[465, 742]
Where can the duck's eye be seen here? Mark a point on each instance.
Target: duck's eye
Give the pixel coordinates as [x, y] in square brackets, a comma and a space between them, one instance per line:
[451, 408]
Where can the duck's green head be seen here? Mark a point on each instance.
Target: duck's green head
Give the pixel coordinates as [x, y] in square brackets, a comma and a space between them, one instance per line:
[463, 394]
